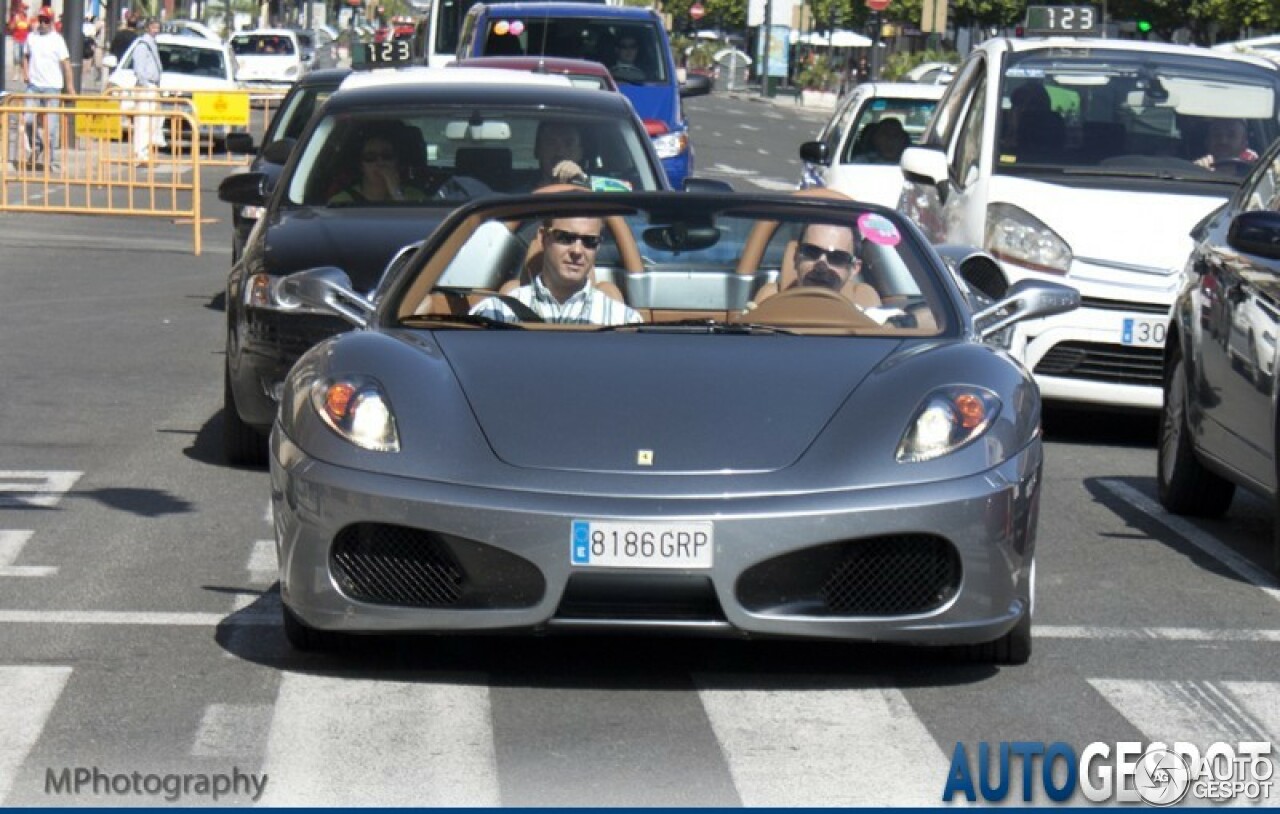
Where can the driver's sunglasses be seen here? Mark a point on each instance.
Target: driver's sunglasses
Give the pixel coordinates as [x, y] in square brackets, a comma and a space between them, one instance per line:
[564, 238]
[836, 258]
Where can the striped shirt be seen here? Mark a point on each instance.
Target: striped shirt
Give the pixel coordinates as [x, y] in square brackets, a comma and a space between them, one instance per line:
[586, 307]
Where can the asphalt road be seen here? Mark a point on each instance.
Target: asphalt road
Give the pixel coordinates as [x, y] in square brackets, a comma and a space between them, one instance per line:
[138, 617]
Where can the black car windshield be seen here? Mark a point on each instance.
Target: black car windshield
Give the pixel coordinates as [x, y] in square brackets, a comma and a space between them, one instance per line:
[1142, 114]
[454, 153]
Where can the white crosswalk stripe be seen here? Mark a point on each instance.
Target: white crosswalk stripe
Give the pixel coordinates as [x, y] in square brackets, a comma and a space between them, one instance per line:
[11, 544]
[38, 488]
[339, 742]
[27, 698]
[232, 730]
[834, 747]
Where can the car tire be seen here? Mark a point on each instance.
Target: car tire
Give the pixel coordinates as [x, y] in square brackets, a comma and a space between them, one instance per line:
[1013, 647]
[242, 445]
[304, 638]
[1184, 485]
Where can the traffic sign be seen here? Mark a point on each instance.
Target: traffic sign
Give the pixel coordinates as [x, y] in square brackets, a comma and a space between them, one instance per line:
[696, 11]
[877, 5]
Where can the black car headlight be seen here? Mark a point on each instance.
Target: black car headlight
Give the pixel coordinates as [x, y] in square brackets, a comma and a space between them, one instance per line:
[947, 419]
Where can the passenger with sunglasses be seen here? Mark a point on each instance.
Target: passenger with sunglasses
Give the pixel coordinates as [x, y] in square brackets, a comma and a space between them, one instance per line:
[381, 180]
[825, 256]
[563, 291]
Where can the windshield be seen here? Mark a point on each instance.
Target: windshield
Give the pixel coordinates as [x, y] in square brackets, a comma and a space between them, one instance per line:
[295, 114]
[453, 153]
[872, 140]
[1135, 113]
[183, 59]
[261, 45]
[685, 268]
[633, 52]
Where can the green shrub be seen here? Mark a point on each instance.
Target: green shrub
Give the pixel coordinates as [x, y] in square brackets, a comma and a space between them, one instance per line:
[897, 65]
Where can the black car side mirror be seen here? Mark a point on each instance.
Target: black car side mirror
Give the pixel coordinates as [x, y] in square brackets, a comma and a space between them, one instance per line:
[244, 189]
[1256, 233]
[239, 143]
[815, 152]
[692, 184]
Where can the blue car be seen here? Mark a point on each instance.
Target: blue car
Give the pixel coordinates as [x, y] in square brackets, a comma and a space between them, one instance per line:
[631, 42]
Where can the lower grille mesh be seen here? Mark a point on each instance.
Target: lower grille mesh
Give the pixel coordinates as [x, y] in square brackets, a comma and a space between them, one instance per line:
[1104, 362]
[881, 576]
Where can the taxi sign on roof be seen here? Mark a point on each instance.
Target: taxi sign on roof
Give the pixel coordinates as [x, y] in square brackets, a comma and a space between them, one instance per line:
[423, 77]
[1072, 20]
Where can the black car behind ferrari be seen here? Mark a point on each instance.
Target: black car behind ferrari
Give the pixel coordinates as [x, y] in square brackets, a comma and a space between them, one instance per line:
[1219, 425]
[454, 136]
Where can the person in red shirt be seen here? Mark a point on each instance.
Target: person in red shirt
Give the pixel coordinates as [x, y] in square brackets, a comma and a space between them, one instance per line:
[19, 27]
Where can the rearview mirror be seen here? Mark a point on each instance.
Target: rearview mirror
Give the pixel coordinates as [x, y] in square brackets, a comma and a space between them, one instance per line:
[278, 152]
[239, 143]
[815, 152]
[110, 62]
[477, 131]
[244, 189]
[925, 165]
[1256, 233]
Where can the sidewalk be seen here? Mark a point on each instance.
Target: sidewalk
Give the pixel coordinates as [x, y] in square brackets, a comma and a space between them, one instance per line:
[817, 103]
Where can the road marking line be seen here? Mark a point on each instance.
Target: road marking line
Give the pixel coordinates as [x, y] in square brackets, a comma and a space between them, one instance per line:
[232, 730]
[11, 543]
[139, 618]
[778, 758]
[27, 696]
[1199, 712]
[339, 742]
[1168, 634]
[1200, 539]
[262, 562]
[34, 488]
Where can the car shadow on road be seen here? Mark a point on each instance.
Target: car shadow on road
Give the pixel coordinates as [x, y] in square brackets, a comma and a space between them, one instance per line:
[598, 661]
[1067, 425]
[206, 445]
[1246, 530]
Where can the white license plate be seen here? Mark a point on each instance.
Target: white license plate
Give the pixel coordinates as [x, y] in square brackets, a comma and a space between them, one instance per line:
[641, 544]
[1144, 332]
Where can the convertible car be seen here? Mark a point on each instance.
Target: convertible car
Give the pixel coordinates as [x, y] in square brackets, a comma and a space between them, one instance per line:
[756, 455]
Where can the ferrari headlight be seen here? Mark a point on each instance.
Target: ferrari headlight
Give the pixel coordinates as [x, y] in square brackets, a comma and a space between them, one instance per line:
[356, 408]
[949, 418]
[670, 145]
[1016, 235]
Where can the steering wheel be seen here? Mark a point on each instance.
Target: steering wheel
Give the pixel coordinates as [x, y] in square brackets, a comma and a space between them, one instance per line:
[810, 307]
[1236, 166]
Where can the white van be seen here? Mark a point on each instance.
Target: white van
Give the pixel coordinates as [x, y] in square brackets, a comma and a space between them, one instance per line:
[1085, 159]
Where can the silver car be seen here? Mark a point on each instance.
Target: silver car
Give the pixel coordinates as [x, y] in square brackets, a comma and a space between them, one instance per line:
[756, 456]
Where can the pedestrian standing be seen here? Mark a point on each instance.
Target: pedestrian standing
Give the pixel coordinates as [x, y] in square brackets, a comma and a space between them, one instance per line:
[147, 132]
[124, 37]
[19, 29]
[46, 69]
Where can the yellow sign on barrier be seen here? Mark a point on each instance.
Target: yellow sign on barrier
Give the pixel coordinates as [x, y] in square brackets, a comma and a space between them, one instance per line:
[230, 109]
[99, 126]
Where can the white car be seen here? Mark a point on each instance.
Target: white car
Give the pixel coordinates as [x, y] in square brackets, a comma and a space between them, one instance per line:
[844, 156]
[268, 56]
[1075, 160]
[189, 28]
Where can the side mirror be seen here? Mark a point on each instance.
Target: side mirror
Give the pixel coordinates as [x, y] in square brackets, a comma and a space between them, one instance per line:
[1026, 299]
[110, 62]
[244, 189]
[327, 288]
[278, 152]
[1256, 233]
[240, 143]
[706, 185]
[926, 165]
[815, 152]
[977, 268]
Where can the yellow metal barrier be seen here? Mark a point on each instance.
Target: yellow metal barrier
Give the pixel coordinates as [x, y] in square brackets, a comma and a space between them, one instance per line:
[219, 112]
[99, 155]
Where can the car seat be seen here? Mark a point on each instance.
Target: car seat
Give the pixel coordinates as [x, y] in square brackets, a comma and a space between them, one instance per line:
[492, 165]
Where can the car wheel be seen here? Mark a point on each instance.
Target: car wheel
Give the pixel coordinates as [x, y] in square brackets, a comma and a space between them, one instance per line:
[1185, 486]
[242, 445]
[307, 639]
